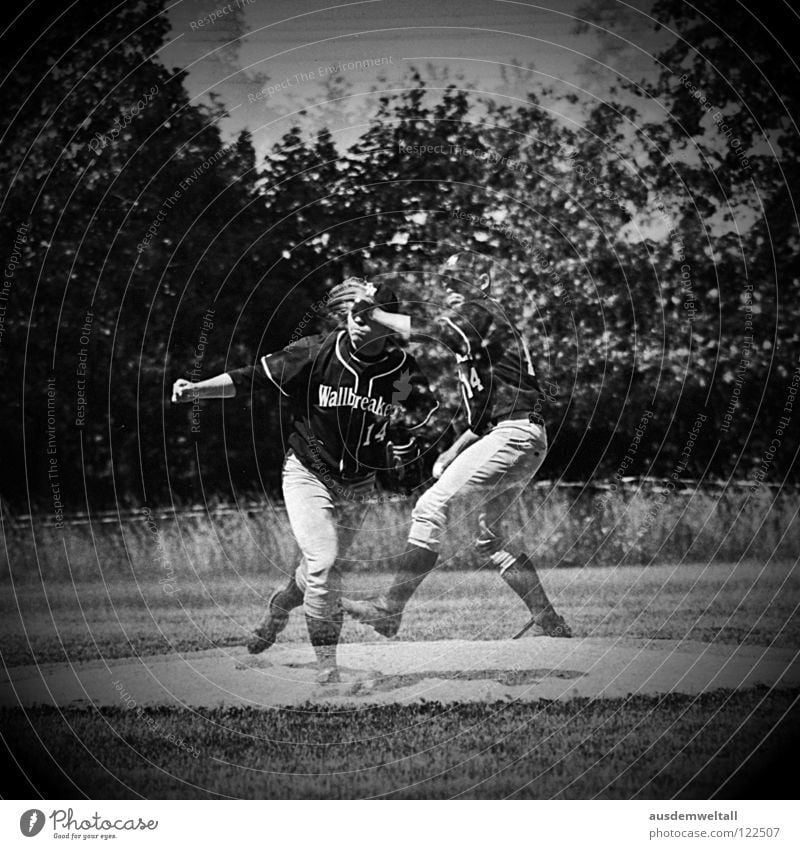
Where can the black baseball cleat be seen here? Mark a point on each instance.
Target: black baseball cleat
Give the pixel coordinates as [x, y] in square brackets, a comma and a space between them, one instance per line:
[267, 632]
[550, 624]
[386, 623]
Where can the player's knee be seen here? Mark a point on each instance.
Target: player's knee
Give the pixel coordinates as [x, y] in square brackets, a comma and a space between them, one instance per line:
[321, 602]
[493, 553]
[424, 536]
[490, 539]
[316, 608]
[429, 510]
[319, 566]
[426, 532]
[486, 547]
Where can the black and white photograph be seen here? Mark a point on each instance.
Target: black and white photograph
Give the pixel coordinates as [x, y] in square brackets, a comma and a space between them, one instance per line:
[401, 401]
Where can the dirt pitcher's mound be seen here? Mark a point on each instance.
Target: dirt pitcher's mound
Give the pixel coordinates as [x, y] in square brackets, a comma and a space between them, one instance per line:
[383, 673]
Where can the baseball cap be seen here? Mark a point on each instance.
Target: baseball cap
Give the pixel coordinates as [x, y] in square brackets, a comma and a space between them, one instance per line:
[354, 289]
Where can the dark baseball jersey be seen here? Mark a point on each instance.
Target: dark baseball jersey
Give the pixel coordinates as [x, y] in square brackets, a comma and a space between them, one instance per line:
[344, 407]
[495, 369]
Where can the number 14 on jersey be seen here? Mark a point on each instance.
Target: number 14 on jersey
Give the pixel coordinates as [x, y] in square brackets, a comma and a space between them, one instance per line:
[470, 379]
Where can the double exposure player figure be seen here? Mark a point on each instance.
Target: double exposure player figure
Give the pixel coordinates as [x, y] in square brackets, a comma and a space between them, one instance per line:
[494, 459]
[342, 391]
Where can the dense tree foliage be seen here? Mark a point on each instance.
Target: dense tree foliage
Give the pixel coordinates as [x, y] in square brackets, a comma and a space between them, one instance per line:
[144, 247]
[724, 155]
[731, 87]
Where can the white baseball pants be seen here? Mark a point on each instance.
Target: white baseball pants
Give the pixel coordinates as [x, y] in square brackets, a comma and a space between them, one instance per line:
[488, 475]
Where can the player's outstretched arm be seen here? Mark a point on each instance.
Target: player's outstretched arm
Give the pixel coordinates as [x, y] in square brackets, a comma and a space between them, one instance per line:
[219, 386]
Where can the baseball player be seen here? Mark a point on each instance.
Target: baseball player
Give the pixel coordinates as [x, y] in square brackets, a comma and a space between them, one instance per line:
[490, 463]
[347, 391]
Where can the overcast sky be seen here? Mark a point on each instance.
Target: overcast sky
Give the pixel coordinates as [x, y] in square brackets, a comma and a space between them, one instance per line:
[268, 59]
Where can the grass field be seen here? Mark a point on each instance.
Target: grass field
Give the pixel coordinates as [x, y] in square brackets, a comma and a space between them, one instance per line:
[638, 747]
[695, 566]
[744, 603]
[725, 744]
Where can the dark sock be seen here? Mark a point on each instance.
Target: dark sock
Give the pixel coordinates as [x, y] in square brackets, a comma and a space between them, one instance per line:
[324, 636]
[289, 597]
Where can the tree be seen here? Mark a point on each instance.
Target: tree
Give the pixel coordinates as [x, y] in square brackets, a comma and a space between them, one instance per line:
[731, 85]
[133, 207]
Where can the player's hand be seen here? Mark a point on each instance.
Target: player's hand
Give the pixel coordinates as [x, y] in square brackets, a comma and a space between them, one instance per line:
[182, 391]
[442, 462]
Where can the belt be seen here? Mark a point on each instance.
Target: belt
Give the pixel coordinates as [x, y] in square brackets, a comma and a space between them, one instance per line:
[325, 473]
[519, 416]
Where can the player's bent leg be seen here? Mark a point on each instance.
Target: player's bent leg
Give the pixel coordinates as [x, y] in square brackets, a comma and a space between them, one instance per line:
[385, 613]
[429, 519]
[324, 637]
[519, 573]
[523, 578]
[521, 451]
[311, 510]
[281, 603]
[323, 611]
[321, 603]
